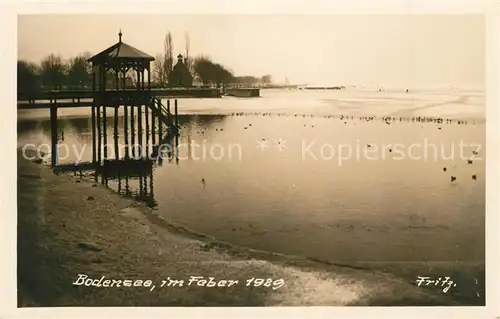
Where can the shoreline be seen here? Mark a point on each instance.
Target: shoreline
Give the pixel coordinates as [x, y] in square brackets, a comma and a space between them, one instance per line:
[68, 227]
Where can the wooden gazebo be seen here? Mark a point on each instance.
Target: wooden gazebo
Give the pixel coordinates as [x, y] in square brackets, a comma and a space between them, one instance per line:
[121, 58]
[121, 62]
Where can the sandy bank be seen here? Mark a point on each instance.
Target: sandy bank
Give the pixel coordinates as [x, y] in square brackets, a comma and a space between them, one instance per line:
[67, 227]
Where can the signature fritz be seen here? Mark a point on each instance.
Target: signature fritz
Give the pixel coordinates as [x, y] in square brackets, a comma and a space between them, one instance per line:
[446, 282]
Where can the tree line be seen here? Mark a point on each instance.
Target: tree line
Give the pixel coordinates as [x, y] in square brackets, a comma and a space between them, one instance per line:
[55, 73]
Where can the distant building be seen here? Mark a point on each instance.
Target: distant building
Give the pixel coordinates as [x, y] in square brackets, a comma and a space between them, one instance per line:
[180, 75]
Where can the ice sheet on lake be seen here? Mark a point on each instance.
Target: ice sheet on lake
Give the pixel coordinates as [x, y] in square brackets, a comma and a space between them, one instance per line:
[450, 103]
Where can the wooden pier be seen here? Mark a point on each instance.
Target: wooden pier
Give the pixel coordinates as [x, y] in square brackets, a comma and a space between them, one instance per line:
[142, 108]
[84, 98]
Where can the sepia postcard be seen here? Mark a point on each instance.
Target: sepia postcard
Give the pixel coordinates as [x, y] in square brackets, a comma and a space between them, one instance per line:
[245, 159]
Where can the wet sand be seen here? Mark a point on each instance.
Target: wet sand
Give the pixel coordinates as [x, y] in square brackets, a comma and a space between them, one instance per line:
[68, 227]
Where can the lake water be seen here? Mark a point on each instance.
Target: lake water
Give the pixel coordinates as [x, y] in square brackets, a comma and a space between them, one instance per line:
[304, 172]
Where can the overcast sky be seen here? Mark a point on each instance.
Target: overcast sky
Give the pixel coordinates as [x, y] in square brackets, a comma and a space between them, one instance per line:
[373, 50]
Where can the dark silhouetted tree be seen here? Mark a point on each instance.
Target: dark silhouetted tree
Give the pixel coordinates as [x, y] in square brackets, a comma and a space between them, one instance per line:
[266, 79]
[210, 72]
[52, 72]
[248, 80]
[79, 71]
[221, 75]
[202, 67]
[28, 79]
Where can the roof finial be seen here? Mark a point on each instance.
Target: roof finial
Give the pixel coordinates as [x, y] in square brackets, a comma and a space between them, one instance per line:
[120, 36]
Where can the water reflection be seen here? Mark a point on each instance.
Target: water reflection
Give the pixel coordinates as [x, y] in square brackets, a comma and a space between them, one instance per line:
[131, 177]
[364, 209]
[134, 183]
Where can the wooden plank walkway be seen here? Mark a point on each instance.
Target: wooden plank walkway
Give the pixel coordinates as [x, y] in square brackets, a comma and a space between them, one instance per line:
[83, 98]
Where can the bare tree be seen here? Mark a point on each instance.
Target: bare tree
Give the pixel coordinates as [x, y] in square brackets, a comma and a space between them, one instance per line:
[188, 43]
[52, 72]
[168, 56]
[159, 75]
[163, 64]
[79, 71]
[266, 79]
[187, 59]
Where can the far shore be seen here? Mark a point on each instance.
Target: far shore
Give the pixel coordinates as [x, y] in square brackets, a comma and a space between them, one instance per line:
[70, 228]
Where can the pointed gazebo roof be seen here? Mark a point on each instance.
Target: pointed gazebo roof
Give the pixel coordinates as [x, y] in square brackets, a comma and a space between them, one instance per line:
[120, 51]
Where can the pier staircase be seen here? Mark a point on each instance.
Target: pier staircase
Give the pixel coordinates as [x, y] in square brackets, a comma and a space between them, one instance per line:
[166, 117]
[162, 113]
